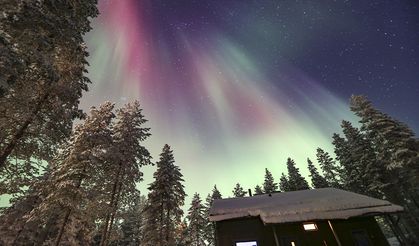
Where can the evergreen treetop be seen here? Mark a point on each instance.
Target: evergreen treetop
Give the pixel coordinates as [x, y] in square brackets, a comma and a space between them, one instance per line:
[269, 186]
[329, 167]
[197, 222]
[317, 180]
[284, 184]
[238, 191]
[166, 198]
[295, 180]
[258, 190]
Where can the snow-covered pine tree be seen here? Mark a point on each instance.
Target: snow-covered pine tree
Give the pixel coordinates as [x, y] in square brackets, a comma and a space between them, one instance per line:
[42, 79]
[343, 156]
[209, 233]
[238, 191]
[129, 156]
[329, 167]
[66, 191]
[269, 186]
[132, 222]
[372, 178]
[182, 234]
[395, 142]
[14, 226]
[397, 149]
[317, 180]
[258, 190]
[284, 185]
[166, 198]
[197, 222]
[295, 180]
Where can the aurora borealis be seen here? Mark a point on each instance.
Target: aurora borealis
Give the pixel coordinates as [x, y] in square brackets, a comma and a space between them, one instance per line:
[237, 86]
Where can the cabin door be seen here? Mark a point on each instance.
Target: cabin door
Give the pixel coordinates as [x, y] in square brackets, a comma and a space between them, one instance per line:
[290, 241]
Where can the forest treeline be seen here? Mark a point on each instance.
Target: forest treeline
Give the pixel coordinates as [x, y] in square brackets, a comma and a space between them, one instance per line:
[78, 185]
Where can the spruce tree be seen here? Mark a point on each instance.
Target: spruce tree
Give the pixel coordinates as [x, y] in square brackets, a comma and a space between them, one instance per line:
[216, 194]
[197, 222]
[317, 180]
[209, 232]
[258, 190]
[238, 191]
[329, 167]
[42, 79]
[295, 180]
[166, 198]
[269, 186]
[284, 184]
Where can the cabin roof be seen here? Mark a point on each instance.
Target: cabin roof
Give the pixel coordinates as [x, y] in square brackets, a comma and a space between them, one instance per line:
[303, 205]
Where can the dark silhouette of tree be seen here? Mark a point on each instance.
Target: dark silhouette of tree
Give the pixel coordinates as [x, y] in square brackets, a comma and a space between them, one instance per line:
[295, 180]
[317, 180]
[166, 198]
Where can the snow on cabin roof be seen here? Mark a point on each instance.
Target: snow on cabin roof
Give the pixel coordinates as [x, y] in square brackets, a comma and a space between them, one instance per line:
[303, 205]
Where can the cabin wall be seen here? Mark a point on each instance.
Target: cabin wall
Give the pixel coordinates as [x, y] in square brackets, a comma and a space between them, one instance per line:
[347, 230]
[294, 232]
[249, 229]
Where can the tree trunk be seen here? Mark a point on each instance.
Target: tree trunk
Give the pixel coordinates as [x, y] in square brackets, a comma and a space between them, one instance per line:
[66, 217]
[108, 216]
[61, 232]
[21, 130]
[113, 214]
[168, 222]
[161, 222]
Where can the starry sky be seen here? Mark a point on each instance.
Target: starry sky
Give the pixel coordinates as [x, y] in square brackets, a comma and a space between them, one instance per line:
[238, 86]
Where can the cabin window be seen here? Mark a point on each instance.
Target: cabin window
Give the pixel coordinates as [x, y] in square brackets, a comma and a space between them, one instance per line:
[310, 226]
[360, 238]
[248, 243]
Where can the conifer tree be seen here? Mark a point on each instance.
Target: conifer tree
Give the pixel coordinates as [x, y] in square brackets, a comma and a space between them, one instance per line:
[133, 219]
[42, 79]
[269, 186]
[284, 184]
[329, 167]
[130, 156]
[166, 198]
[343, 155]
[197, 222]
[216, 194]
[66, 192]
[182, 234]
[395, 142]
[397, 150]
[209, 233]
[238, 191]
[258, 190]
[295, 180]
[15, 229]
[372, 177]
[317, 180]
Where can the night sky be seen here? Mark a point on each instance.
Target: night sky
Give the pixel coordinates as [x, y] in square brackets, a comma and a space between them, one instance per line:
[237, 86]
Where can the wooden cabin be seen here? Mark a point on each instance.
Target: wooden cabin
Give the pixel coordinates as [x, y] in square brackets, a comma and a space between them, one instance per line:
[328, 216]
